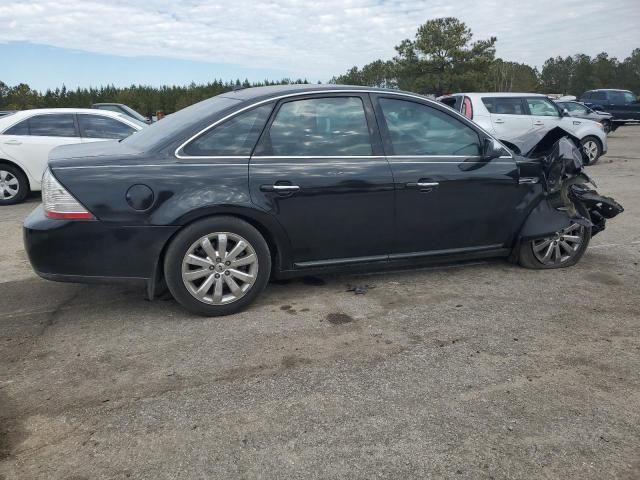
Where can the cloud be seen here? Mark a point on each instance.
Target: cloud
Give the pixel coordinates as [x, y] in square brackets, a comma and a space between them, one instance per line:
[315, 39]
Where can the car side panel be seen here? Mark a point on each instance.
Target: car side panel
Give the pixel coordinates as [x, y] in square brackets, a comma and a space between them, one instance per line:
[182, 193]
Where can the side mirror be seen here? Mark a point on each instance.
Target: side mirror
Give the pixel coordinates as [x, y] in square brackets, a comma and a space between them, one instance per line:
[492, 149]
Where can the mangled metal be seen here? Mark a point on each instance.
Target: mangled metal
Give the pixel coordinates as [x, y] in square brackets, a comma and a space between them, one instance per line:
[556, 158]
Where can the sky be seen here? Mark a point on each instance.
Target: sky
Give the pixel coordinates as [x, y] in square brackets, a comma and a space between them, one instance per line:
[47, 43]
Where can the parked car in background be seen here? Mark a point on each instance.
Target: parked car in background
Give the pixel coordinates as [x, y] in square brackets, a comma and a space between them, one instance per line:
[291, 180]
[622, 104]
[6, 112]
[121, 108]
[27, 137]
[509, 116]
[580, 110]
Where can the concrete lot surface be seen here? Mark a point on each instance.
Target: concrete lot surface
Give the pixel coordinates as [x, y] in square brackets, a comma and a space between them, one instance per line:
[479, 371]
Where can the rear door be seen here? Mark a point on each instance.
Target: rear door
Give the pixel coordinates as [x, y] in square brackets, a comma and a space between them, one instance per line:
[509, 117]
[319, 169]
[448, 199]
[40, 134]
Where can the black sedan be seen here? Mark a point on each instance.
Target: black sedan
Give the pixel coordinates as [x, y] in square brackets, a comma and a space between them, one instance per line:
[273, 182]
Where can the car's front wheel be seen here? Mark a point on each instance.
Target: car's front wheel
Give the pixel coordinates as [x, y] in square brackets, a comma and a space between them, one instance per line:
[14, 186]
[563, 249]
[592, 149]
[217, 266]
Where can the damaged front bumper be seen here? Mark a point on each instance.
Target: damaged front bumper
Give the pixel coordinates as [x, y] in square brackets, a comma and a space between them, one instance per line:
[557, 160]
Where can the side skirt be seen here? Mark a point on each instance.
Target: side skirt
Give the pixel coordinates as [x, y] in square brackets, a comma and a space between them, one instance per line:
[394, 261]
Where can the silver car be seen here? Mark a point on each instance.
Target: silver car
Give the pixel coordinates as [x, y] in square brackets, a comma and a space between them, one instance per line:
[580, 110]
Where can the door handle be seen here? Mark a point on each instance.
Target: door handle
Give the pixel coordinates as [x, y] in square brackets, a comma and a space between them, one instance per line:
[499, 120]
[279, 188]
[539, 123]
[13, 142]
[423, 186]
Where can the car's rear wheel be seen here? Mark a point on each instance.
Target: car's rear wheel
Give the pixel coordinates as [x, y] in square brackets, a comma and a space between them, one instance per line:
[217, 266]
[592, 149]
[563, 249]
[14, 186]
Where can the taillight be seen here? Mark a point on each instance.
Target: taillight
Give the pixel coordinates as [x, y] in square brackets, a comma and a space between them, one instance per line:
[467, 108]
[58, 203]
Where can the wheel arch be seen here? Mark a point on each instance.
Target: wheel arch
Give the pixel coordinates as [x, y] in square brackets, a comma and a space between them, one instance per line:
[272, 232]
[4, 161]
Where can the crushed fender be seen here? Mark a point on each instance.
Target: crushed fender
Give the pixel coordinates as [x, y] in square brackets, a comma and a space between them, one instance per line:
[557, 158]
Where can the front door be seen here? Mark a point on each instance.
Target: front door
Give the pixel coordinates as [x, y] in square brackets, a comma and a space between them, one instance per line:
[319, 169]
[448, 199]
[546, 115]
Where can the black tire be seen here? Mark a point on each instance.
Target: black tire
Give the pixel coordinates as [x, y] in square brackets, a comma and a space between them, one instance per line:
[187, 238]
[598, 147]
[528, 259]
[23, 185]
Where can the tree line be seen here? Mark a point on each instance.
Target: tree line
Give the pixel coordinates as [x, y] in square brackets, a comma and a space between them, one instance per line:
[442, 58]
[145, 99]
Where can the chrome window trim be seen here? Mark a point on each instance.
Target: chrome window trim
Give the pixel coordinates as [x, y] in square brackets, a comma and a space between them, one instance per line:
[301, 94]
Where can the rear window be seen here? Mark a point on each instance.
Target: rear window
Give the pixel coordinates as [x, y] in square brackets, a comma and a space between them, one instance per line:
[504, 105]
[453, 102]
[176, 123]
[598, 96]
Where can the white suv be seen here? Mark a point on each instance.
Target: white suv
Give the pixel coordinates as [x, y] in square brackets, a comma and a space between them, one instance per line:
[27, 137]
[509, 116]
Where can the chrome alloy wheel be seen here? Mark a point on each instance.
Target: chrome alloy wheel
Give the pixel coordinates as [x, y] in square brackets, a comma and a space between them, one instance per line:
[9, 185]
[591, 150]
[560, 248]
[220, 268]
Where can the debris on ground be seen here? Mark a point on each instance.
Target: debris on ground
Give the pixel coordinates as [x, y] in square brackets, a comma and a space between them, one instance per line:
[359, 289]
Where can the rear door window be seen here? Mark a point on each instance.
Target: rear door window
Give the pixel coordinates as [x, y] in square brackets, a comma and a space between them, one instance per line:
[504, 105]
[55, 125]
[98, 126]
[319, 127]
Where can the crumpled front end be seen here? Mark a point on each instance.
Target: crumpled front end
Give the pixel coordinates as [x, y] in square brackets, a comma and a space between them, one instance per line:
[557, 159]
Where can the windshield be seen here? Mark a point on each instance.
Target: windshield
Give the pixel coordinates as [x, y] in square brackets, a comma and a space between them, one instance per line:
[159, 132]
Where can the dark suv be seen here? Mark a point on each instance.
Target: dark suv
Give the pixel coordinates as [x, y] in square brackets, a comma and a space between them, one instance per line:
[622, 104]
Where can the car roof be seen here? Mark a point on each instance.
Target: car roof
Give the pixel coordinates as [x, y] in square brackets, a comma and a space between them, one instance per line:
[273, 91]
[608, 90]
[37, 111]
[500, 94]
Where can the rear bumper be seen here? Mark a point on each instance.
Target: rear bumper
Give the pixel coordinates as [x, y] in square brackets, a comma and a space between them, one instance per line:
[92, 251]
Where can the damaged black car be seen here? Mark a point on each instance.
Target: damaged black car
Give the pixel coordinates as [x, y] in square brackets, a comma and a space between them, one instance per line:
[274, 182]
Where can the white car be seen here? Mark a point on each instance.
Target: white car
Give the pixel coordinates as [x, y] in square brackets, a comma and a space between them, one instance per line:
[27, 137]
[509, 116]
